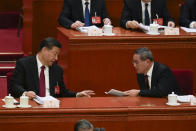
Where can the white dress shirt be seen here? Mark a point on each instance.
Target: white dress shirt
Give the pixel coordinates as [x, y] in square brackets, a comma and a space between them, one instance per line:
[46, 73]
[83, 4]
[143, 11]
[149, 74]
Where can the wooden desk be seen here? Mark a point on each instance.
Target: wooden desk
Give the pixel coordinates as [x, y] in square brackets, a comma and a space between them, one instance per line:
[102, 63]
[112, 113]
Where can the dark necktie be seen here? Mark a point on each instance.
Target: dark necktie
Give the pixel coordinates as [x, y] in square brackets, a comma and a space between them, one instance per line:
[42, 85]
[147, 19]
[87, 15]
[146, 82]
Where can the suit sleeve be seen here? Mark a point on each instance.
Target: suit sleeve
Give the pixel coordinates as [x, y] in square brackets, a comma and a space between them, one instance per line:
[65, 16]
[163, 87]
[104, 11]
[17, 81]
[126, 15]
[185, 19]
[64, 92]
[166, 14]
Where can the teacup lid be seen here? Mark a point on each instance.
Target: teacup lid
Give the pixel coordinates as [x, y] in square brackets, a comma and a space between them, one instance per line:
[172, 94]
[9, 96]
[108, 25]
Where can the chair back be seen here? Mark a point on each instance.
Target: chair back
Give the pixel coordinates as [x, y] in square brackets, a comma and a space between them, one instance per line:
[185, 80]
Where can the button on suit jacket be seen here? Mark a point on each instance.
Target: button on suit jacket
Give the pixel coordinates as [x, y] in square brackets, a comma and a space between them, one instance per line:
[26, 78]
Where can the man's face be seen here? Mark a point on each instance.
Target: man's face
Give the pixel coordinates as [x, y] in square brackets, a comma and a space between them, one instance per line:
[146, 1]
[140, 66]
[50, 55]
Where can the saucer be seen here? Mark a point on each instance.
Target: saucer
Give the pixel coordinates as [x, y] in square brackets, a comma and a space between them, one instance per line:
[14, 106]
[176, 104]
[21, 106]
[110, 34]
[150, 33]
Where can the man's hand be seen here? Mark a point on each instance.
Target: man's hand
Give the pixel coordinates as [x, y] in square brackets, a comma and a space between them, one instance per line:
[77, 24]
[85, 93]
[107, 21]
[132, 24]
[194, 25]
[171, 24]
[132, 92]
[30, 94]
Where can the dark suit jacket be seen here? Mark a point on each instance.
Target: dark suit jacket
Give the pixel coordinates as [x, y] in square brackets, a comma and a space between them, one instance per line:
[73, 11]
[188, 13]
[163, 82]
[133, 11]
[25, 78]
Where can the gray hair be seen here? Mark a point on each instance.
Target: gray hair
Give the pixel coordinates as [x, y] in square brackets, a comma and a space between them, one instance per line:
[144, 53]
[83, 124]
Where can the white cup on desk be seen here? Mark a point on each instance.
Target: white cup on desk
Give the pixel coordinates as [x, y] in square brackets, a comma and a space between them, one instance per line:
[172, 99]
[107, 29]
[9, 102]
[24, 101]
[153, 29]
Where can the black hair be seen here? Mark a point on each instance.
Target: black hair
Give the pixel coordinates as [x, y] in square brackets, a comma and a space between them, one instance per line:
[49, 43]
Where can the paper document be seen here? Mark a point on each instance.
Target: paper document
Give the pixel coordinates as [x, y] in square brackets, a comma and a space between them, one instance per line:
[185, 98]
[189, 30]
[116, 92]
[86, 28]
[38, 100]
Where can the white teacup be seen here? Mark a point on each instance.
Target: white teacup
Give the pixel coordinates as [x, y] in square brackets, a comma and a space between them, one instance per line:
[9, 101]
[172, 99]
[24, 101]
[107, 29]
[153, 28]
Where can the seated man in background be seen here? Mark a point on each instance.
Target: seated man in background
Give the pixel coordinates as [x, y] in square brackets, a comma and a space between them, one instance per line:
[40, 75]
[154, 79]
[83, 125]
[188, 14]
[78, 13]
[144, 11]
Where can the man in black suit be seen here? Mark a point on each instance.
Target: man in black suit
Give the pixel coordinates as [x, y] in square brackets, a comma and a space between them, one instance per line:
[155, 79]
[73, 13]
[134, 13]
[40, 75]
[188, 14]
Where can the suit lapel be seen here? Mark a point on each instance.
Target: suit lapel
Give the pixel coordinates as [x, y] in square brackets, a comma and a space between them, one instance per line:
[153, 75]
[91, 7]
[139, 7]
[80, 9]
[35, 74]
[51, 82]
[153, 10]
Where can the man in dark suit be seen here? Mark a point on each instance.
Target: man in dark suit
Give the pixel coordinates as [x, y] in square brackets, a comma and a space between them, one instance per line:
[40, 75]
[188, 14]
[73, 13]
[155, 79]
[140, 11]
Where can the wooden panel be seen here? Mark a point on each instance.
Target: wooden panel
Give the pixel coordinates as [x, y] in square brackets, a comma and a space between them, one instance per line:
[112, 113]
[104, 63]
[10, 5]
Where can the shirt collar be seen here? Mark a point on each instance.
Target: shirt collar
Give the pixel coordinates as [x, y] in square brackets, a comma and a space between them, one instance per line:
[149, 73]
[39, 64]
[143, 4]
